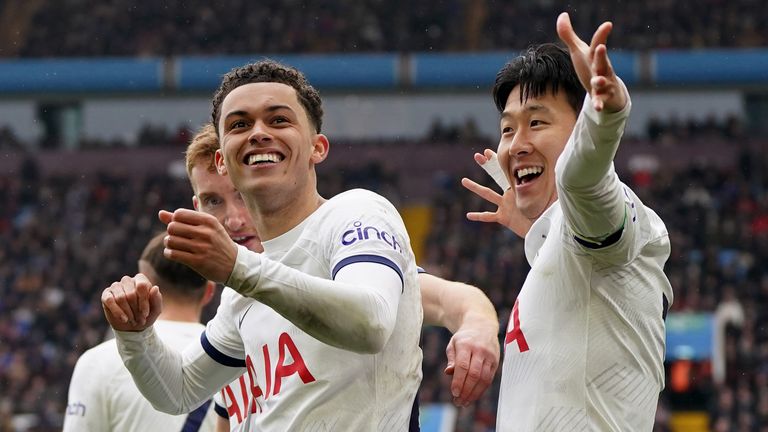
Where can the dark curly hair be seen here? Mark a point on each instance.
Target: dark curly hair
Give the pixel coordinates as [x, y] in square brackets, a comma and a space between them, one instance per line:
[538, 70]
[270, 71]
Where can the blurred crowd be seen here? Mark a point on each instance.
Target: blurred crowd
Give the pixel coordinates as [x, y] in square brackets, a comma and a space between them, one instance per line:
[43, 28]
[63, 239]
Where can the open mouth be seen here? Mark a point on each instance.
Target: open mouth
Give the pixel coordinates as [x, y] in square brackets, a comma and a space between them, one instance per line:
[263, 159]
[242, 240]
[525, 175]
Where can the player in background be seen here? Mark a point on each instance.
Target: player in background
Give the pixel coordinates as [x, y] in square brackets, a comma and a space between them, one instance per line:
[330, 312]
[102, 395]
[584, 348]
[473, 351]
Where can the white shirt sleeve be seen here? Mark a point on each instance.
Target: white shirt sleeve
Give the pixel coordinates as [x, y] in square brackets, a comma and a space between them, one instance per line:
[365, 250]
[173, 382]
[356, 311]
[590, 193]
[86, 404]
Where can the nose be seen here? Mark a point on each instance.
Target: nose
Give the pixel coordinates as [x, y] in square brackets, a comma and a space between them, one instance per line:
[520, 145]
[234, 219]
[259, 133]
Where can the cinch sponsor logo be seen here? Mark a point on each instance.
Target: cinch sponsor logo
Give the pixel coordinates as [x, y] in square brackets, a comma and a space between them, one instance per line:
[360, 233]
[76, 409]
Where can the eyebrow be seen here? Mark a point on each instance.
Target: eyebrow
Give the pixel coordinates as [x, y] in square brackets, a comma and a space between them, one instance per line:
[269, 109]
[532, 108]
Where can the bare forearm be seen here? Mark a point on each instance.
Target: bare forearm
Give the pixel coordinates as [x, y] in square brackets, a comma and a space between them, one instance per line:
[453, 304]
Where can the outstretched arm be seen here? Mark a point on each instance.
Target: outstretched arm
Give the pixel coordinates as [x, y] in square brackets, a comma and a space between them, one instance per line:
[588, 188]
[172, 382]
[473, 351]
[355, 311]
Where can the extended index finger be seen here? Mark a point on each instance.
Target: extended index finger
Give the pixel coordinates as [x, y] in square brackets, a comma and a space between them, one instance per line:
[460, 371]
[481, 191]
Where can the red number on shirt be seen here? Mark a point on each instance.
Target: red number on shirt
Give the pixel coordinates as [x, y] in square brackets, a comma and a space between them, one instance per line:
[516, 333]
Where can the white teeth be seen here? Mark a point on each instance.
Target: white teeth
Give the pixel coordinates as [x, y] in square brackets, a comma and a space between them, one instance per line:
[528, 171]
[265, 157]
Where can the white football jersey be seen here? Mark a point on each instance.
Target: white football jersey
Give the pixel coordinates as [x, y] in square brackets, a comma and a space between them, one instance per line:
[233, 401]
[103, 397]
[584, 347]
[296, 382]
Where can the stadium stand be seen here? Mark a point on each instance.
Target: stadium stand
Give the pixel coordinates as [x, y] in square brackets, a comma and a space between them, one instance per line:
[120, 28]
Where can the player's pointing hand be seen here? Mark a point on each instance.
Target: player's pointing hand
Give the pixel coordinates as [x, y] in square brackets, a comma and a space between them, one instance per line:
[199, 241]
[593, 66]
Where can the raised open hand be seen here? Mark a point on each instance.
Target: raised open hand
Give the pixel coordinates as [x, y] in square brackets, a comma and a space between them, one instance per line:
[593, 66]
[506, 213]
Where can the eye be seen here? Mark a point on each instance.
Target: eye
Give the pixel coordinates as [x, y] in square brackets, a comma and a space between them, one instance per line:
[535, 123]
[279, 120]
[237, 124]
[212, 201]
[507, 130]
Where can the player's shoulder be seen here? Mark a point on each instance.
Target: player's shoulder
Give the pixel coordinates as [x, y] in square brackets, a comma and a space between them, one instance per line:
[357, 195]
[100, 357]
[358, 200]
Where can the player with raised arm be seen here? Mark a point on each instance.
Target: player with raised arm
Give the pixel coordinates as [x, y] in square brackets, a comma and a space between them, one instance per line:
[584, 347]
[102, 395]
[473, 351]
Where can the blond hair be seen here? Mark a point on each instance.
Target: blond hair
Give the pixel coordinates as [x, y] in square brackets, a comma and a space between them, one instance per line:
[202, 148]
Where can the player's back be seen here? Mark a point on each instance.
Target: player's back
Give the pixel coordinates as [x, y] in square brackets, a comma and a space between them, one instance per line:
[103, 396]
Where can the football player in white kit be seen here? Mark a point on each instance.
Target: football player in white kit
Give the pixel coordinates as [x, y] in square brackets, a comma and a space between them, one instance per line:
[102, 395]
[473, 351]
[584, 347]
[332, 342]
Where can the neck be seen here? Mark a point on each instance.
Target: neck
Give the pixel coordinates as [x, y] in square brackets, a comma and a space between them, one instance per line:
[183, 313]
[275, 221]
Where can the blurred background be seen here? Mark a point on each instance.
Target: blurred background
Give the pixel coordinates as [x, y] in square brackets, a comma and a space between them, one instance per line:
[98, 100]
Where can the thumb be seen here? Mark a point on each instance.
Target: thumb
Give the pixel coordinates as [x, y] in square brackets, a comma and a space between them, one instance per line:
[450, 352]
[156, 301]
[165, 216]
[566, 33]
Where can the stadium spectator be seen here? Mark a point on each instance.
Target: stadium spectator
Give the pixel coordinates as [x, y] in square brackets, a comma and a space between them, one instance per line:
[194, 27]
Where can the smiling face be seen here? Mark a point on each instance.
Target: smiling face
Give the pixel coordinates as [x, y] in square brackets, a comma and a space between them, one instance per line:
[533, 134]
[216, 195]
[268, 145]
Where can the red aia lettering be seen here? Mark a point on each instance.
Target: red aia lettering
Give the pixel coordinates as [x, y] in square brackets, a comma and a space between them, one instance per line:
[233, 409]
[516, 334]
[283, 370]
[255, 389]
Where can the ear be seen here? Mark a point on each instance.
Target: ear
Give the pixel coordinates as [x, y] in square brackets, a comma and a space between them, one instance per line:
[210, 290]
[219, 161]
[195, 202]
[320, 148]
